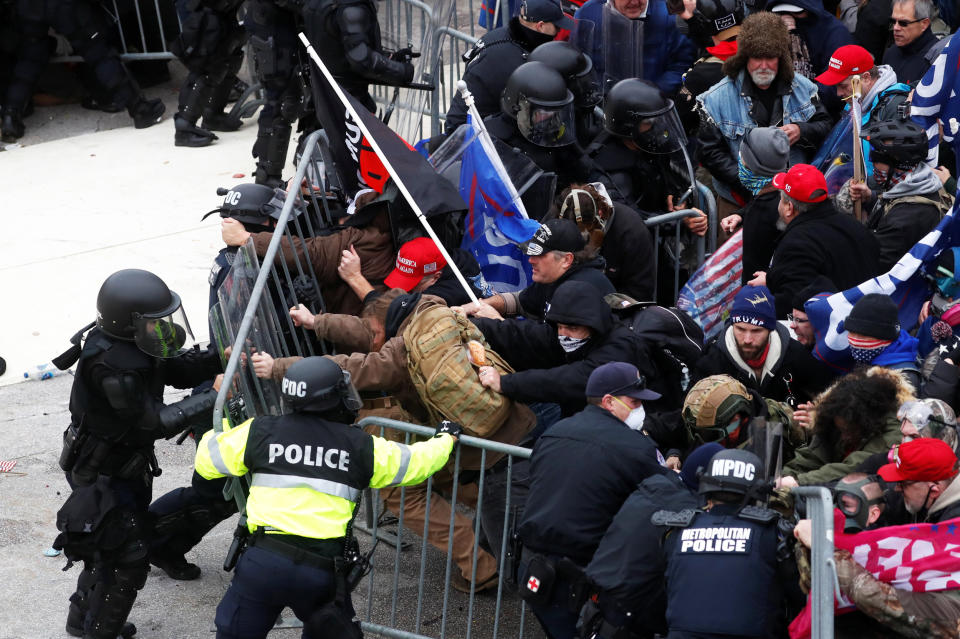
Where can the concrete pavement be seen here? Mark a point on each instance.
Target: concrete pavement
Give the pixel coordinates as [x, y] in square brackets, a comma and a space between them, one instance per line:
[81, 202]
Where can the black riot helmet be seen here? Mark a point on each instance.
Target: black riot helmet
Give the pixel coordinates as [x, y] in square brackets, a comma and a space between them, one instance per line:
[137, 305]
[711, 17]
[636, 110]
[249, 204]
[900, 142]
[733, 471]
[319, 385]
[575, 67]
[536, 96]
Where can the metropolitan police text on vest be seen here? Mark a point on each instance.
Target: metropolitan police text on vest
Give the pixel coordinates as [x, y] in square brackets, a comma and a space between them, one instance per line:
[718, 539]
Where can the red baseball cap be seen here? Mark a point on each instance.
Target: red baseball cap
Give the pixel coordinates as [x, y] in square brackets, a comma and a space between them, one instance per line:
[803, 182]
[923, 459]
[416, 258]
[850, 59]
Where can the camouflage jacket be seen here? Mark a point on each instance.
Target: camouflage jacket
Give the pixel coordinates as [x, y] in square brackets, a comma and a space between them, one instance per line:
[916, 615]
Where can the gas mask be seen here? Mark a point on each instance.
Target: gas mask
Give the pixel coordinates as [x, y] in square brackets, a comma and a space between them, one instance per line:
[854, 504]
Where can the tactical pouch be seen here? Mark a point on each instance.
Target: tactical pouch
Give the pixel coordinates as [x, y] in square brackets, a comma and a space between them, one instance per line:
[74, 438]
[538, 581]
[135, 467]
[589, 621]
[93, 452]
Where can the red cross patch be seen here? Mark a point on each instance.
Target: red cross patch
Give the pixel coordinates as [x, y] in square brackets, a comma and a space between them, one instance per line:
[533, 584]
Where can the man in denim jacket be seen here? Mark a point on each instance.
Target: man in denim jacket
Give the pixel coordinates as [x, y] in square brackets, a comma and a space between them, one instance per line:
[760, 89]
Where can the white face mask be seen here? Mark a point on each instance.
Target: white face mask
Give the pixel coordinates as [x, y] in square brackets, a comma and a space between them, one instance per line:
[636, 416]
[570, 344]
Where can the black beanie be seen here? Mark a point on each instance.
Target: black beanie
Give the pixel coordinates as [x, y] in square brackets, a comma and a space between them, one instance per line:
[875, 315]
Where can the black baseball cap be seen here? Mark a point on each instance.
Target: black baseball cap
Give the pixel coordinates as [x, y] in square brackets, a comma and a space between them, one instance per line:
[555, 235]
[619, 378]
[546, 11]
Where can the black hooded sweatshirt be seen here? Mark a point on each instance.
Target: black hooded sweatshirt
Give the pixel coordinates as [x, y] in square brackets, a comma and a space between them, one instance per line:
[545, 373]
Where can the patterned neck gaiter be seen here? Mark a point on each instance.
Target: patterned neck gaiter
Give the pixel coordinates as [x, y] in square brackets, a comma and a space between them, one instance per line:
[750, 180]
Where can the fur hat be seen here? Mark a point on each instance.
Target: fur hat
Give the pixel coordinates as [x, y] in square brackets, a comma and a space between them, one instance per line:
[762, 35]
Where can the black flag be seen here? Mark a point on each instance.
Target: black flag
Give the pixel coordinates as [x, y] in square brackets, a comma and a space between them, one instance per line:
[360, 167]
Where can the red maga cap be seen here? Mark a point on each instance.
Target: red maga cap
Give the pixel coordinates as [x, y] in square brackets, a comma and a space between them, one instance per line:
[416, 258]
[848, 60]
[803, 182]
[924, 459]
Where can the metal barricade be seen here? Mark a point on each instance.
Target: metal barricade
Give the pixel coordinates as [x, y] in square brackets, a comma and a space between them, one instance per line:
[703, 243]
[428, 572]
[143, 28]
[823, 579]
[448, 69]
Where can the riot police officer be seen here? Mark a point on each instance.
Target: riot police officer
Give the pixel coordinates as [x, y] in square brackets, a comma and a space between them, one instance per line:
[81, 23]
[185, 514]
[641, 150]
[117, 412]
[308, 467]
[537, 117]
[722, 560]
[211, 46]
[495, 56]
[577, 69]
[272, 27]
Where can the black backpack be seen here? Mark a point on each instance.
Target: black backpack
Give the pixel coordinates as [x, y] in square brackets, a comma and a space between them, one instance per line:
[676, 341]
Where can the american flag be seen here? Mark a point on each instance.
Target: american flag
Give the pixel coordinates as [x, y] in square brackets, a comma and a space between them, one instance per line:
[7, 465]
[707, 295]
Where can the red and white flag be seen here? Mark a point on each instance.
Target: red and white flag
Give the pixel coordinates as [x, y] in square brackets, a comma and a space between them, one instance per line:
[914, 557]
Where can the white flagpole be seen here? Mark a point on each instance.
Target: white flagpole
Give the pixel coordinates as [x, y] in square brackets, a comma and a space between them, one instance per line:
[389, 167]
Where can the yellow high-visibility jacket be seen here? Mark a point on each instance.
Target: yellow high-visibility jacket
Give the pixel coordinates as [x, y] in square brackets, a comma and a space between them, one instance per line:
[307, 472]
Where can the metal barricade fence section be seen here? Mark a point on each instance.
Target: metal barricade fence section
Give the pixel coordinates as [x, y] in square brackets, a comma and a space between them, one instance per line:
[142, 29]
[429, 537]
[823, 579]
[410, 589]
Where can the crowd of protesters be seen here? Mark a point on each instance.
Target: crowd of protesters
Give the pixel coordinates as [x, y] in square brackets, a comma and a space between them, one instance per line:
[657, 500]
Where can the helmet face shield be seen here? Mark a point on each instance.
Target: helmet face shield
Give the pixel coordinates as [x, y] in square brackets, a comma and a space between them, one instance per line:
[163, 335]
[660, 134]
[586, 89]
[546, 125]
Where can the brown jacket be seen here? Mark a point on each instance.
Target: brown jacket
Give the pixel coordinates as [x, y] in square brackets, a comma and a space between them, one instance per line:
[386, 370]
[373, 244]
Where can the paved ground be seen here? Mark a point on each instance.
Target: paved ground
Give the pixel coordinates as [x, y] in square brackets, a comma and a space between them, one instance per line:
[86, 194]
[33, 602]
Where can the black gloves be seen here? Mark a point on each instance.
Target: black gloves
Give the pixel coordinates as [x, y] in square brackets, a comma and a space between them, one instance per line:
[405, 54]
[450, 428]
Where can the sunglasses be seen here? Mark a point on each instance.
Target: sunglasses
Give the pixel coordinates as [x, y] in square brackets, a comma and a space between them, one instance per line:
[639, 384]
[905, 23]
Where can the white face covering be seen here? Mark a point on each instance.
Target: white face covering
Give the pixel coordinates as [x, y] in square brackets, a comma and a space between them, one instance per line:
[570, 344]
[635, 419]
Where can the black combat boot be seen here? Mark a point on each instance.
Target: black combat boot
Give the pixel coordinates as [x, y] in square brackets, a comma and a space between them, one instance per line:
[146, 113]
[11, 126]
[176, 567]
[187, 134]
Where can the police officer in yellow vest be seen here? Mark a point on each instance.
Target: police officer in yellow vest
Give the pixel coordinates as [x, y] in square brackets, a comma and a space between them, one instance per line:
[307, 467]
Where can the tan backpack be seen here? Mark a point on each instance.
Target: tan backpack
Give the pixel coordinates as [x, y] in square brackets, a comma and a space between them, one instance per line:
[447, 382]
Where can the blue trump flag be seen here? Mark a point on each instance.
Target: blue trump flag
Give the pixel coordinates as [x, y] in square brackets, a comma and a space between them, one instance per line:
[904, 283]
[937, 99]
[496, 222]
